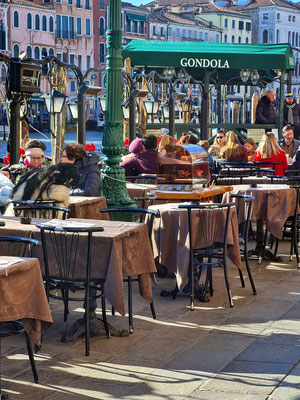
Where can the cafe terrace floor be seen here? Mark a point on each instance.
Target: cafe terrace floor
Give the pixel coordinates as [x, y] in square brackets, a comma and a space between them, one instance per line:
[249, 352]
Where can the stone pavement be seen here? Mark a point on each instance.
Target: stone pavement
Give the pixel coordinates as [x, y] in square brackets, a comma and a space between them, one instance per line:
[249, 352]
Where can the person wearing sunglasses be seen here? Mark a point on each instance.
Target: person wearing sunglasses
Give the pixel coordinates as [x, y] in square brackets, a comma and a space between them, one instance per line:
[219, 142]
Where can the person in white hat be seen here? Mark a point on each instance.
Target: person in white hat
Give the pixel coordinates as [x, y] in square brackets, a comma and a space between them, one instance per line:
[291, 114]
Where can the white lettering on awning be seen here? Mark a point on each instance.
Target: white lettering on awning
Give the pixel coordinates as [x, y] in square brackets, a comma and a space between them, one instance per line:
[204, 63]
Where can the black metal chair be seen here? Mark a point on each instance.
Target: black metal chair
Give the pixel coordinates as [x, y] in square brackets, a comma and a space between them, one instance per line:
[266, 164]
[146, 201]
[138, 214]
[32, 210]
[210, 220]
[243, 203]
[20, 247]
[61, 245]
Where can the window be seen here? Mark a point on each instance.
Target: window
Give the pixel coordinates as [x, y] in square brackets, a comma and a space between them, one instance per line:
[265, 17]
[44, 23]
[206, 36]
[66, 56]
[70, 2]
[290, 18]
[195, 34]
[233, 24]
[88, 62]
[265, 36]
[201, 35]
[44, 67]
[64, 25]
[190, 34]
[289, 37]
[278, 17]
[87, 5]
[71, 28]
[2, 36]
[78, 3]
[169, 31]
[78, 28]
[225, 39]
[225, 23]
[28, 52]
[101, 27]
[162, 31]
[29, 21]
[16, 19]
[232, 39]
[101, 4]
[16, 51]
[80, 61]
[101, 53]
[44, 53]
[217, 37]
[297, 40]
[178, 32]
[240, 39]
[58, 26]
[3, 73]
[58, 1]
[154, 30]
[294, 18]
[36, 53]
[87, 27]
[58, 55]
[51, 52]
[37, 22]
[248, 26]
[241, 25]
[51, 25]
[183, 33]
[72, 86]
[247, 40]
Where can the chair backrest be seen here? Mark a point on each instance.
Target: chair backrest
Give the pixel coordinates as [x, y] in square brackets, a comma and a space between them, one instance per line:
[228, 180]
[278, 179]
[41, 211]
[143, 178]
[147, 200]
[213, 220]
[266, 164]
[18, 246]
[243, 204]
[63, 246]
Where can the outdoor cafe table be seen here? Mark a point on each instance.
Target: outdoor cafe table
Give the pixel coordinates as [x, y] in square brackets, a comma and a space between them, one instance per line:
[87, 207]
[171, 245]
[23, 296]
[122, 249]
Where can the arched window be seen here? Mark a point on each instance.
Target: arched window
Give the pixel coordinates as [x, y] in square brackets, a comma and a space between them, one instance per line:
[16, 19]
[37, 22]
[28, 52]
[297, 40]
[289, 37]
[2, 36]
[44, 53]
[225, 39]
[29, 21]
[3, 73]
[51, 25]
[247, 40]
[278, 36]
[16, 51]
[101, 26]
[240, 39]
[51, 52]
[293, 39]
[265, 36]
[36, 53]
[232, 39]
[44, 23]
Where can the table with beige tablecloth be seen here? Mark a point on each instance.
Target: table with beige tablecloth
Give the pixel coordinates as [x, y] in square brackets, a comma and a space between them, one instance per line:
[87, 207]
[273, 204]
[122, 249]
[170, 239]
[23, 295]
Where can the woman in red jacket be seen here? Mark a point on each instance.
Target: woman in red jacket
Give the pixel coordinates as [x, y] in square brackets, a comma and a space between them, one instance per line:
[269, 150]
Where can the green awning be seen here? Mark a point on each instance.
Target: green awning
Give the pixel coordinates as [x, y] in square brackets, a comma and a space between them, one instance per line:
[200, 55]
[136, 17]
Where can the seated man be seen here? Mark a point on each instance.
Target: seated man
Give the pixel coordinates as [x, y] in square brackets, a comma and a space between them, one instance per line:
[288, 144]
[144, 162]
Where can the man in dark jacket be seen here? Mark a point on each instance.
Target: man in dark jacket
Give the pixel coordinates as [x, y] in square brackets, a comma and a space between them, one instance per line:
[291, 114]
[288, 143]
[266, 110]
[144, 162]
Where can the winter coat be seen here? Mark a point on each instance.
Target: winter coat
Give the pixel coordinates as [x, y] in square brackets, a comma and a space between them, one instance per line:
[88, 183]
[266, 112]
[296, 117]
[295, 148]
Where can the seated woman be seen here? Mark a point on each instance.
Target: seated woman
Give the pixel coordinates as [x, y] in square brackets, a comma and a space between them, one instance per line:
[219, 142]
[233, 150]
[205, 145]
[88, 183]
[135, 147]
[269, 150]
[250, 147]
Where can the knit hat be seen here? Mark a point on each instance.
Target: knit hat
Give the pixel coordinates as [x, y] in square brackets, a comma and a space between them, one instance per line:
[136, 146]
[289, 95]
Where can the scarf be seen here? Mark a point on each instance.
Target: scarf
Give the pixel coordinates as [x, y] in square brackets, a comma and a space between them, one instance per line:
[290, 113]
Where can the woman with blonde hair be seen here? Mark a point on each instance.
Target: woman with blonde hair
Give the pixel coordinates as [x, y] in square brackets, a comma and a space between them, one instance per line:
[269, 150]
[218, 143]
[233, 150]
[250, 147]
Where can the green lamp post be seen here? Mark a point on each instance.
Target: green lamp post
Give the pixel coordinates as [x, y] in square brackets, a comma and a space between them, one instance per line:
[113, 185]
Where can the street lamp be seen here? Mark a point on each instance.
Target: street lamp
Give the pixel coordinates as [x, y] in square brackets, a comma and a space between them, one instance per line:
[102, 101]
[73, 107]
[151, 105]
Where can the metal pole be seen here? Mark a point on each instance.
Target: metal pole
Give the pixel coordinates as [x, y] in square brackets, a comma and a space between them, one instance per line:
[81, 137]
[172, 116]
[131, 118]
[113, 185]
[281, 104]
[204, 107]
[14, 132]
